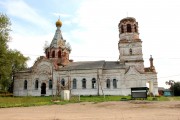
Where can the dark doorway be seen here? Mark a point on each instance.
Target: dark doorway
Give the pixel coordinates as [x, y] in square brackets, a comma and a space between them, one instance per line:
[43, 88]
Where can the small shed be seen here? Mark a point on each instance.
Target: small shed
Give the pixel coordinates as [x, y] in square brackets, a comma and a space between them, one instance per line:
[167, 92]
[139, 92]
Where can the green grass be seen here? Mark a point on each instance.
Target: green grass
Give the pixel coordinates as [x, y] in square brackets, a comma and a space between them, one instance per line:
[6, 102]
[23, 101]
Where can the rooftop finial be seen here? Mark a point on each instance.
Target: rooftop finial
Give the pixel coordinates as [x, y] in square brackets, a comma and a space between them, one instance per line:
[58, 23]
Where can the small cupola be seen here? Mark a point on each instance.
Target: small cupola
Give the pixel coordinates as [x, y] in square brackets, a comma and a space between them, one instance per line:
[128, 25]
[58, 23]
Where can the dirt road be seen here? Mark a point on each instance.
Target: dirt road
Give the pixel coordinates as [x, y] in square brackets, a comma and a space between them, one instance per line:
[127, 110]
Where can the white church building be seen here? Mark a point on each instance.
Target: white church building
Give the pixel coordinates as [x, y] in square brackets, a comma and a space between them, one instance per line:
[54, 72]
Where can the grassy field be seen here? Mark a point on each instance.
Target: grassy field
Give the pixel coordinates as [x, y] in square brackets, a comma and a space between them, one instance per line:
[6, 102]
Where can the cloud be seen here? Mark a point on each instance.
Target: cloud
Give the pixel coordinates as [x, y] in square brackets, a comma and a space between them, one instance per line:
[20, 9]
[31, 46]
[61, 15]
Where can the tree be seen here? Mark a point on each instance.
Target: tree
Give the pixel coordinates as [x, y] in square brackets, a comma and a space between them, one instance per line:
[4, 38]
[11, 61]
[171, 83]
[176, 88]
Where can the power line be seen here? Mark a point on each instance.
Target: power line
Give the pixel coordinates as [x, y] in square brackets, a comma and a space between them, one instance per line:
[100, 56]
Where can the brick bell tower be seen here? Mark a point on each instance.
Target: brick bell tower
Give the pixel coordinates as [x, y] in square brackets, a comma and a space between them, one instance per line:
[130, 46]
[59, 50]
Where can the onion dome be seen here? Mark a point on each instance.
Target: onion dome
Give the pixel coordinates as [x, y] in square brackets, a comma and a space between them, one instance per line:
[58, 23]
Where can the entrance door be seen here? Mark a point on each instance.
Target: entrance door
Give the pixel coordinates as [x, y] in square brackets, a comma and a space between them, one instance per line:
[43, 88]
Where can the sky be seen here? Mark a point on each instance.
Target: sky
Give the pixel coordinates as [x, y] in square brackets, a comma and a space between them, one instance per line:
[91, 28]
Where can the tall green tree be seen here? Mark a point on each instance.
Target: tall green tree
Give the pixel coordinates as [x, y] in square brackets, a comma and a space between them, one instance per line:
[176, 88]
[11, 61]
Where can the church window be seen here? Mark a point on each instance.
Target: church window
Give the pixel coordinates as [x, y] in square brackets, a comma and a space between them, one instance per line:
[74, 83]
[36, 84]
[25, 84]
[114, 83]
[129, 28]
[83, 83]
[53, 54]
[135, 28]
[47, 54]
[108, 83]
[63, 82]
[93, 83]
[130, 51]
[50, 84]
[122, 29]
[59, 54]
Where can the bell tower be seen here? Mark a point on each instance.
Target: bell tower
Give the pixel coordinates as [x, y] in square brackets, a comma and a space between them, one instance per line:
[59, 50]
[130, 46]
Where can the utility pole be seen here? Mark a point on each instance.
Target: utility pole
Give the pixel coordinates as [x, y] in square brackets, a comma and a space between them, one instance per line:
[52, 78]
[98, 81]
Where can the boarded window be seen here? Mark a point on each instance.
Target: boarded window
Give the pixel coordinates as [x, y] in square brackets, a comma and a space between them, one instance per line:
[114, 83]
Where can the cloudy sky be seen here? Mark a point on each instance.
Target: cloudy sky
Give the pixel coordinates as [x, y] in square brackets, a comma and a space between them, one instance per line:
[91, 27]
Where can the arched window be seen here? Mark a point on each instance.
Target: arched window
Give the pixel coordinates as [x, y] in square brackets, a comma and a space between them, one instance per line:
[114, 83]
[74, 83]
[93, 83]
[108, 83]
[122, 29]
[59, 54]
[130, 51]
[135, 28]
[63, 82]
[47, 55]
[25, 84]
[50, 84]
[83, 83]
[129, 28]
[53, 54]
[36, 84]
